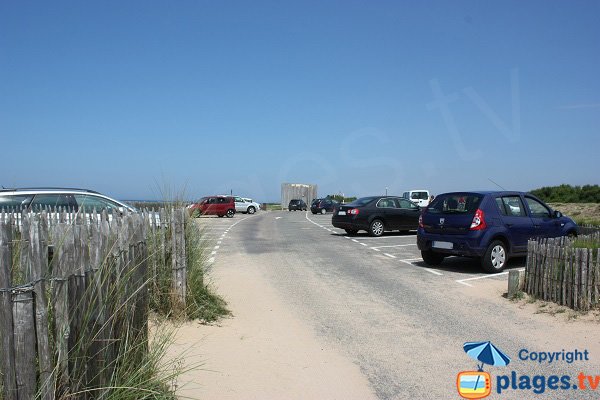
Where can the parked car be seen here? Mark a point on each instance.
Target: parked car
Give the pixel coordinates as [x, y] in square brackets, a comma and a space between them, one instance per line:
[377, 214]
[297, 205]
[65, 198]
[213, 205]
[245, 205]
[492, 226]
[322, 206]
[418, 196]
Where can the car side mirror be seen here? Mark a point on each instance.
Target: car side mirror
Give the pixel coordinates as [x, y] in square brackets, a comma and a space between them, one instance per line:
[557, 214]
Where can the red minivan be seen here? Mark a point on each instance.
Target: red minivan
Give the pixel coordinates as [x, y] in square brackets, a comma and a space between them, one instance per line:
[213, 205]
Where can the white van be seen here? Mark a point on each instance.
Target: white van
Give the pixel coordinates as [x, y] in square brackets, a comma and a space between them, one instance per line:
[418, 196]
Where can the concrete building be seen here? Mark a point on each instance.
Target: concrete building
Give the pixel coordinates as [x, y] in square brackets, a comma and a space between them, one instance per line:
[300, 191]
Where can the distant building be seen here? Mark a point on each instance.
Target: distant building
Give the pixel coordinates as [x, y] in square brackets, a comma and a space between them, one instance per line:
[300, 191]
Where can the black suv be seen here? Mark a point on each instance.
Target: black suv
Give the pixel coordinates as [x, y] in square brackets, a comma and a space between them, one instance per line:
[297, 204]
[321, 206]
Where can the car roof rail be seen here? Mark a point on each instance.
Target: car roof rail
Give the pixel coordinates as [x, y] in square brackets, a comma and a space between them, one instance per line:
[23, 189]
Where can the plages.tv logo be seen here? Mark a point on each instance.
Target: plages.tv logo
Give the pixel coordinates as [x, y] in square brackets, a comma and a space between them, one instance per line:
[478, 384]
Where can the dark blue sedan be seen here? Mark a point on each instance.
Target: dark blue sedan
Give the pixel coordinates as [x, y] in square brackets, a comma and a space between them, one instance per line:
[492, 226]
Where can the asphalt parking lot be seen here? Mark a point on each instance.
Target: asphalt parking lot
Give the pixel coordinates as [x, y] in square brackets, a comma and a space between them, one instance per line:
[376, 302]
[395, 247]
[215, 232]
[402, 248]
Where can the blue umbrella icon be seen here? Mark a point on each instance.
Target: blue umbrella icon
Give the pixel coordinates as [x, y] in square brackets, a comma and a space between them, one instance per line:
[486, 353]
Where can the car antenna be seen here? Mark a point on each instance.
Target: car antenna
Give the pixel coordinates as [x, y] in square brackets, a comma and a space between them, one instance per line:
[489, 179]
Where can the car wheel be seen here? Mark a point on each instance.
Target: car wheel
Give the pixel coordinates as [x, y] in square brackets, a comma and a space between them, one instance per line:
[351, 231]
[376, 228]
[432, 258]
[495, 257]
[323, 211]
[251, 210]
[230, 213]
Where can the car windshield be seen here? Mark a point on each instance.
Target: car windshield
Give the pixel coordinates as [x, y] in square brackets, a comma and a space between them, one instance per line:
[419, 196]
[362, 201]
[455, 203]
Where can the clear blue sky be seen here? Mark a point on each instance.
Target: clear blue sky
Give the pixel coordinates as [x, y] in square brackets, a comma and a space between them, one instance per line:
[128, 97]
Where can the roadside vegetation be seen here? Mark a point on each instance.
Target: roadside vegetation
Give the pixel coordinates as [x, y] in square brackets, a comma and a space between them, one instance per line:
[569, 194]
[582, 213]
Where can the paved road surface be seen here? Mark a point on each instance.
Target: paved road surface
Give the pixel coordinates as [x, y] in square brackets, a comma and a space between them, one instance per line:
[402, 323]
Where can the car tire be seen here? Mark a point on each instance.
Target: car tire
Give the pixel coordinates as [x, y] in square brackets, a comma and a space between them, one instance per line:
[251, 210]
[351, 231]
[495, 258]
[230, 213]
[376, 228]
[432, 258]
[323, 211]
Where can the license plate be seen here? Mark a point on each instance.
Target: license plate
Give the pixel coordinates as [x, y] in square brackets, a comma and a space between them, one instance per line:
[342, 213]
[443, 245]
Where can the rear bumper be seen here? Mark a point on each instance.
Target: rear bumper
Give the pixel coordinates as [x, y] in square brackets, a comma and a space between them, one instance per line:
[462, 245]
[345, 222]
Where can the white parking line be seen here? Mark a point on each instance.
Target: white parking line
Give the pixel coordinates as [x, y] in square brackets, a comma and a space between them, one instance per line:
[464, 281]
[363, 244]
[390, 255]
[411, 260]
[385, 237]
[355, 241]
[395, 245]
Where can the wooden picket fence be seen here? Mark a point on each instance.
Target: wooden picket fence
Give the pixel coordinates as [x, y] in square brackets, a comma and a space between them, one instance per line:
[74, 296]
[558, 272]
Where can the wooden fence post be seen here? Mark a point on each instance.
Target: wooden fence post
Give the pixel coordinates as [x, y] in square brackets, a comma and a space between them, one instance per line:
[38, 238]
[178, 261]
[64, 248]
[6, 316]
[24, 334]
[514, 279]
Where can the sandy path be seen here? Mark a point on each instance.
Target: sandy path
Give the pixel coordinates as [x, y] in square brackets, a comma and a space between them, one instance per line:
[263, 352]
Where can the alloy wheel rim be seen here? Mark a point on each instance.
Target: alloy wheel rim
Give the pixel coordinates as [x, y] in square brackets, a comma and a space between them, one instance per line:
[377, 228]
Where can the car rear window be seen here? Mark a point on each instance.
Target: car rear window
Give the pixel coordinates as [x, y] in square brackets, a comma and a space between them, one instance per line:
[363, 201]
[455, 203]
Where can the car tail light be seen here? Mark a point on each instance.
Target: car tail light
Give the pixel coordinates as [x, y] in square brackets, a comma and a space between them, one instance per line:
[478, 222]
[353, 211]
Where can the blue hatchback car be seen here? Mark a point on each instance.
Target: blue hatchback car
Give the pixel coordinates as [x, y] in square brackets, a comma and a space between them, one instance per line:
[492, 226]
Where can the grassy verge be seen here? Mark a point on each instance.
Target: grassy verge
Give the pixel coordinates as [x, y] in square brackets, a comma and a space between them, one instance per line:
[274, 207]
[581, 213]
[202, 302]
